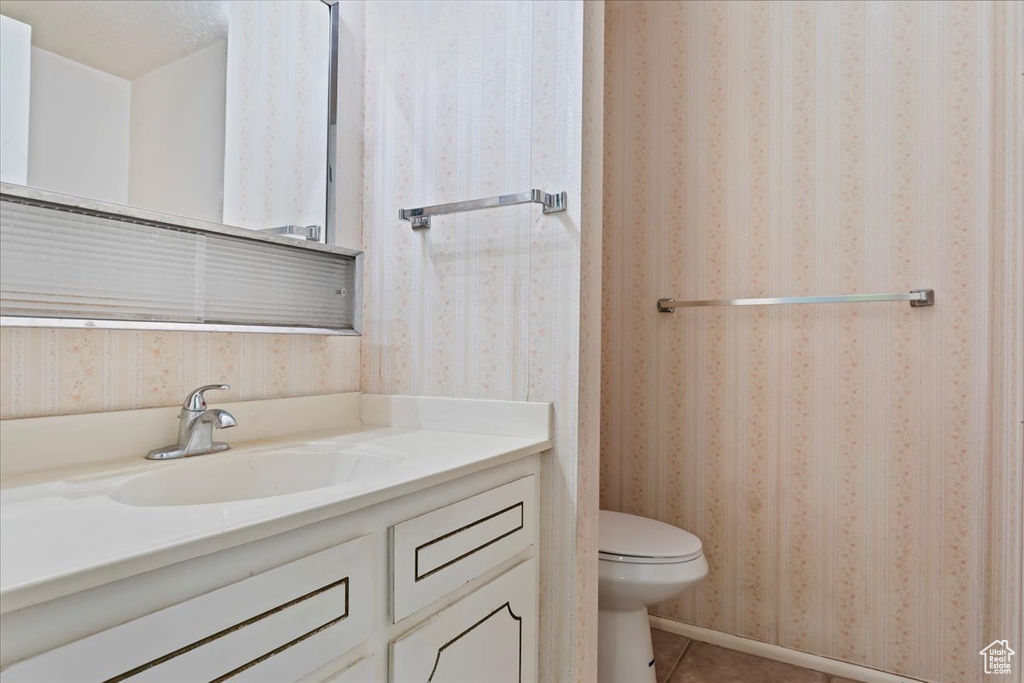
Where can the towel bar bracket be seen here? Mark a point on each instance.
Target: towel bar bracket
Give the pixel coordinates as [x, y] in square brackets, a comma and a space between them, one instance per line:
[553, 203]
[928, 300]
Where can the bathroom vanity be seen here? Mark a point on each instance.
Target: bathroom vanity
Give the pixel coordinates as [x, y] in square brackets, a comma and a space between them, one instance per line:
[400, 544]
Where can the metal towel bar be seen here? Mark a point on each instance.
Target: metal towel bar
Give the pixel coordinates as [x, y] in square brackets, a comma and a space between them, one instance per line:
[917, 299]
[420, 217]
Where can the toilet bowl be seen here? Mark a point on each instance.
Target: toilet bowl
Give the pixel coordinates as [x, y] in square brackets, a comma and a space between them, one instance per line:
[641, 562]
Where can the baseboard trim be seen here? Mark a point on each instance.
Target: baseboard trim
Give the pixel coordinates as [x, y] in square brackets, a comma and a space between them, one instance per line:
[779, 654]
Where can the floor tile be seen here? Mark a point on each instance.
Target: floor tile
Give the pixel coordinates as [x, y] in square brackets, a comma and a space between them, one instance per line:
[840, 679]
[705, 663]
[667, 649]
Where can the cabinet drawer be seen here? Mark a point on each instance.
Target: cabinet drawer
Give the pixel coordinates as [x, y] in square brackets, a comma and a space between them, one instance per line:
[490, 635]
[277, 625]
[439, 551]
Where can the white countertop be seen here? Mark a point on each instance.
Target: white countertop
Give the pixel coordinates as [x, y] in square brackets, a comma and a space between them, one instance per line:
[61, 532]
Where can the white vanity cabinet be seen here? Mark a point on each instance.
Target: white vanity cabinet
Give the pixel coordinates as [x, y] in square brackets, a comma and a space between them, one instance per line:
[438, 584]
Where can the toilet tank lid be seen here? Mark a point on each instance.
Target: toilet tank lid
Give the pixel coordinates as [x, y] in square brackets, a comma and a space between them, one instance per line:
[630, 535]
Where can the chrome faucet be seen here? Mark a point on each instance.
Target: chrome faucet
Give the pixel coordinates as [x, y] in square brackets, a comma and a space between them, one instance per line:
[195, 430]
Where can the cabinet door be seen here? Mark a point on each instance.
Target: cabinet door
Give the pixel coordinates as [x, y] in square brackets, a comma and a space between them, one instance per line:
[490, 635]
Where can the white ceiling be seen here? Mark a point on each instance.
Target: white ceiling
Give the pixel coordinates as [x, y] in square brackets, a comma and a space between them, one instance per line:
[126, 39]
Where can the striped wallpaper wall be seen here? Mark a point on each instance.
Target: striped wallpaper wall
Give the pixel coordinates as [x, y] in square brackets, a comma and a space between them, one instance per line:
[853, 470]
[58, 372]
[468, 99]
[275, 126]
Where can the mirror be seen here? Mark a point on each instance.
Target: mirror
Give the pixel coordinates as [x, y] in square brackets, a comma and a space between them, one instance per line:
[214, 110]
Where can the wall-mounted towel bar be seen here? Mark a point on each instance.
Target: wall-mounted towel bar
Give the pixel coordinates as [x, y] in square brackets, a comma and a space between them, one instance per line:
[917, 298]
[420, 218]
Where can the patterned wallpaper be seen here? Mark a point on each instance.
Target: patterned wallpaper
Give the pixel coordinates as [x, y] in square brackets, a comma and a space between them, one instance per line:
[469, 99]
[854, 471]
[588, 418]
[276, 118]
[56, 372]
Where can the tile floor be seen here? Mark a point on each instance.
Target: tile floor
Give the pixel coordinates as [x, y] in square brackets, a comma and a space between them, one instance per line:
[680, 660]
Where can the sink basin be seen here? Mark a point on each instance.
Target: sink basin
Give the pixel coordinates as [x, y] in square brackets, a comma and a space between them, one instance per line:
[230, 478]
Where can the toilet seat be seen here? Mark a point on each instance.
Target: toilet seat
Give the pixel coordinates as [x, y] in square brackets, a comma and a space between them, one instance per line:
[639, 540]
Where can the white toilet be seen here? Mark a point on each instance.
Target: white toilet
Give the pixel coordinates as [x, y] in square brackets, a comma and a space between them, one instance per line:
[641, 562]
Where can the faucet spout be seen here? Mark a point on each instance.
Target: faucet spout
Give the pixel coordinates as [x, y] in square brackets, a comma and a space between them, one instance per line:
[220, 419]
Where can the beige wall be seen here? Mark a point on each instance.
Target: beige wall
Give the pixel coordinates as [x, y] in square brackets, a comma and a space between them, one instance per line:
[15, 84]
[56, 372]
[854, 471]
[470, 99]
[176, 156]
[78, 129]
[276, 124]
[588, 418]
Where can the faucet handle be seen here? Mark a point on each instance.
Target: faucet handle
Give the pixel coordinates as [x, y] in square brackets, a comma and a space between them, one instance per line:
[196, 401]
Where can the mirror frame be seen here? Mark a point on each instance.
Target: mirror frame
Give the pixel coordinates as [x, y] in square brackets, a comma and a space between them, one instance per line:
[330, 214]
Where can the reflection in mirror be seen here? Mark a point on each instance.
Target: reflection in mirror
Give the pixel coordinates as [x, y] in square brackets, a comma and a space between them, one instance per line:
[211, 109]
